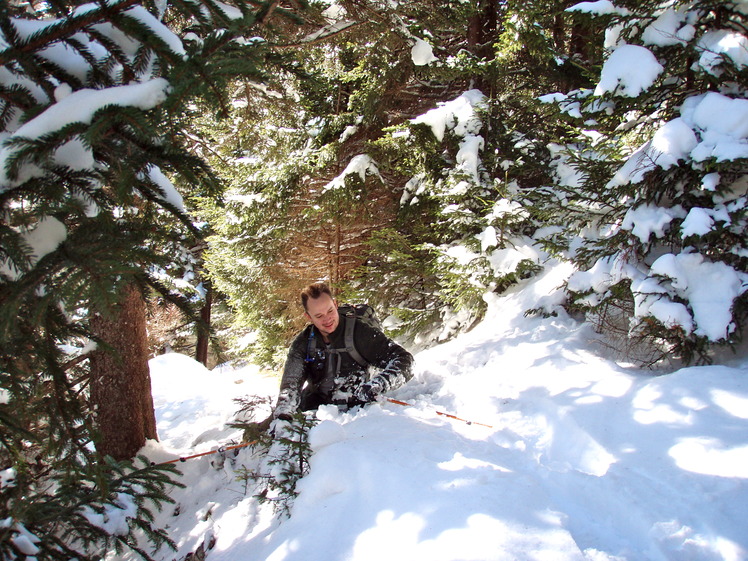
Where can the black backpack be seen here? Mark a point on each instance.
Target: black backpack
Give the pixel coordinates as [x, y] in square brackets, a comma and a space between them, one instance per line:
[349, 313]
[366, 314]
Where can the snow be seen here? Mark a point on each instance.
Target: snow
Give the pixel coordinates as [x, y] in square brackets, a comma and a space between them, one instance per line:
[77, 107]
[488, 238]
[673, 142]
[197, 419]
[711, 125]
[724, 43]
[567, 455]
[458, 115]
[422, 53]
[597, 8]
[709, 287]
[566, 173]
[69, 58]
[331, 29]
[7, 477]
[58, 53]
[583, 459]
[231, 12]
[114, 518]
[648, 219]
[628, 71]
[461, 117]
[43, 238]
[166, 35]
[710, 181]
[169, 193]
[698, 222]
[25, 542]
[723, 124]
[81, 105]
[468, 158]
[669, 29]
[362, 165]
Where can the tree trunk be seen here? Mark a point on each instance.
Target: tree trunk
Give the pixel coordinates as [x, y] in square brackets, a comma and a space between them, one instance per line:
[203, 331]
[481, 34]
[120, 379]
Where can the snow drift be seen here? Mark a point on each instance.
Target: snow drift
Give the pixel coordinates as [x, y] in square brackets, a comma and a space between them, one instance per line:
[586, 459]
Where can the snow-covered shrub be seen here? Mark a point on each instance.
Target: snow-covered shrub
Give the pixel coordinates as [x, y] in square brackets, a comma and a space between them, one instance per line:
[69, 516]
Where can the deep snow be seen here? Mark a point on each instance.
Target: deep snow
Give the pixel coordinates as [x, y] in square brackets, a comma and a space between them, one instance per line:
[586, 459]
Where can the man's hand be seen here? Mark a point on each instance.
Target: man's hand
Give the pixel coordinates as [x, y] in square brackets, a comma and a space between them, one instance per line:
[368, 392]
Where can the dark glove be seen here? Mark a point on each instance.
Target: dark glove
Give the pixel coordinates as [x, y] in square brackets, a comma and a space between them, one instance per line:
[367, 393]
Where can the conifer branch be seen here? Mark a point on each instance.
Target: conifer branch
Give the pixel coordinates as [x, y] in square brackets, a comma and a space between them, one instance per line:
[268, 12]
[64, 29]
[319, 36]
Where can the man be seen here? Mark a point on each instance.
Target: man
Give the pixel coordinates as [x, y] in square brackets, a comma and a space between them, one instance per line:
[321, 369]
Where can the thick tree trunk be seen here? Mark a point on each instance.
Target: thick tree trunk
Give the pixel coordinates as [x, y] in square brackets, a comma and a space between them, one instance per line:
[203, 332]
[120, 379]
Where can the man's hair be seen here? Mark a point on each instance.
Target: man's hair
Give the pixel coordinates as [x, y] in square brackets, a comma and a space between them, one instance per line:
[314, 291]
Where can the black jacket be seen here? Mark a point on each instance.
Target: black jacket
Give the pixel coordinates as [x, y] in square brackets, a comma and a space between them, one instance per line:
[334, 376]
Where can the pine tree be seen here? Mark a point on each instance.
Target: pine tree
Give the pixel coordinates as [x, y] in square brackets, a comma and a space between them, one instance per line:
[296, 213]
[474, 188]
[309, 191]
[660, 189]
[92, 110]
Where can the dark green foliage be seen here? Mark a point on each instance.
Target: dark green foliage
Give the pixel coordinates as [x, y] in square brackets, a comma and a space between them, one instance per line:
[383, 239]
[87, 512]
[92, 138]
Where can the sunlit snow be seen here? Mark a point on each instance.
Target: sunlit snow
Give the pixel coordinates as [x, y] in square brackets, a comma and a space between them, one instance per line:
[584, 458]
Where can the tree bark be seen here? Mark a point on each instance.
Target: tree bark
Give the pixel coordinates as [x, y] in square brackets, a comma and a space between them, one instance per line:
[481, 34]
[203, 331]
[120, 379]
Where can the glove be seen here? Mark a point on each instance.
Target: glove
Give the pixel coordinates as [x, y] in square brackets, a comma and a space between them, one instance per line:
[367, 393]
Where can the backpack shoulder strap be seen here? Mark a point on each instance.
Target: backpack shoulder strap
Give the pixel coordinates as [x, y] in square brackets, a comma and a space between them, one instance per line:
[311, 346]
[350, 346]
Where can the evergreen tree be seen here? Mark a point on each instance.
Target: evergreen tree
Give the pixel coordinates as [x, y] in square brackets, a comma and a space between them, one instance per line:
[92, 110]
[350, 188]
[476, 165]
[308, 191]
[661, 183]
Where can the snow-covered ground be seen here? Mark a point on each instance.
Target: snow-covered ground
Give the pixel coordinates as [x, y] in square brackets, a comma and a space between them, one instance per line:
[585, 458]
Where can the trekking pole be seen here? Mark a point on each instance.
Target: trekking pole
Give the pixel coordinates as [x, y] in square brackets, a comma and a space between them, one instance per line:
[395, 401]
[222, 449]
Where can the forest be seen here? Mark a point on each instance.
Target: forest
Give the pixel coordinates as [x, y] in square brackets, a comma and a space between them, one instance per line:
[173, 172]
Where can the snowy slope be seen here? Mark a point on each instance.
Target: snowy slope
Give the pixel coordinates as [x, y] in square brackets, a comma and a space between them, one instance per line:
[586, 459]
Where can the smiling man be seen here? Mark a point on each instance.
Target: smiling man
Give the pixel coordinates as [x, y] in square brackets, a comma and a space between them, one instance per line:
[329, 361]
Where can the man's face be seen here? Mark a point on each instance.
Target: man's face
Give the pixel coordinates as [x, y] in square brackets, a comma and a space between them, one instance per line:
[323, 313]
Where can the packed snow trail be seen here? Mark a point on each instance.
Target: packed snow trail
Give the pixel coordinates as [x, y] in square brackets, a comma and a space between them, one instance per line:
[586, 459]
